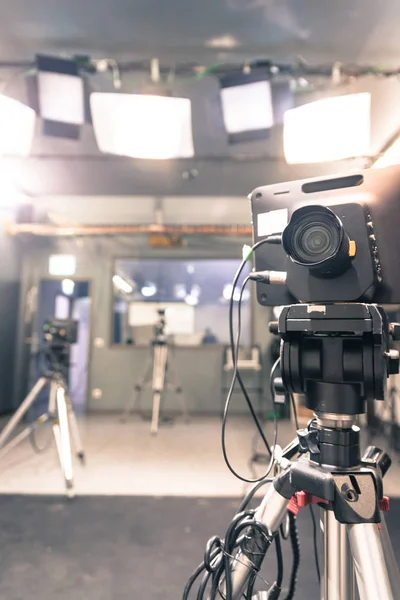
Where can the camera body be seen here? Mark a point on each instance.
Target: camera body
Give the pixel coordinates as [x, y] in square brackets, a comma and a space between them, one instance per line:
[340, 239]
[358, 280]
[59, 333]
[159, 328]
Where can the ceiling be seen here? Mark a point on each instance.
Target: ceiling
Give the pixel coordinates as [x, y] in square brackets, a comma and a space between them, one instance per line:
[206, 30]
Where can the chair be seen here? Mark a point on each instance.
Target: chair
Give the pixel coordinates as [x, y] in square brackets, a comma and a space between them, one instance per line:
[249, 360]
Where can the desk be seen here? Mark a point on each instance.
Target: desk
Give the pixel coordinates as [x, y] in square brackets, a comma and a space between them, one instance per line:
[114, 370]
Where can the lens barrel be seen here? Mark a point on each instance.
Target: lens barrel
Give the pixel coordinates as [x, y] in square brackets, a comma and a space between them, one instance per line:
[315, 238]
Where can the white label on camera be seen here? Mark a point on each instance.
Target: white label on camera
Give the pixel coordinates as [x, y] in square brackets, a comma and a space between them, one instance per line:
[316, 308]
[280, 399]
[273, 221]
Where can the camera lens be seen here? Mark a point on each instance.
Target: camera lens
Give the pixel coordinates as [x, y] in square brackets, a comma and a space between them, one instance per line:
[315, 238]
[314, 241]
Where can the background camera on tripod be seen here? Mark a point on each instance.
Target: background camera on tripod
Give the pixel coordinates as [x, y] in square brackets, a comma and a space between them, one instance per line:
[58, 335]
[58, 332]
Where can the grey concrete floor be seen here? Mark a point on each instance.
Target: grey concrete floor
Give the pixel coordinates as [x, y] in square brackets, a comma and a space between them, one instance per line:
[124, 459]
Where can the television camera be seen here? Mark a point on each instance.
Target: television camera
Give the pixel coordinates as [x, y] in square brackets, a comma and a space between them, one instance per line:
[337, 238]
[58, 335]
[159, 328]
[60, 332]
[326, 249]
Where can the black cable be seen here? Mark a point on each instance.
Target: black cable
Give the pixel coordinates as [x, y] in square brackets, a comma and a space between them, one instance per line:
[236, 374]
[231, 543]
[232, 540]
[294, 538]
[285, 534]
[250, 587]
[242, 507]
[239, 522]
[33, 441]
[213, 544]
[279, 561]
[204, 584]
[296, 422]
[272, 390]
[51, 362]
[314, 523]
[235, 524]
[260, 528]
[42, 367]
[196, 573]
[244, 503]
[231, 336]
[254, 443]
[216, 566]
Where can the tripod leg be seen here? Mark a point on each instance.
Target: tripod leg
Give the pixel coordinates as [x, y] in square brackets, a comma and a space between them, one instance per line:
[271, 513]
[175, 386]
[159, 367]
[369, 562]
[185, 411]
[391, 564]
[52, 406]
[338, 580]
[21, 410]
[137, 393]
[160, 363]
[155, 417]
[23, 435]
[61, 436]
[76, 438]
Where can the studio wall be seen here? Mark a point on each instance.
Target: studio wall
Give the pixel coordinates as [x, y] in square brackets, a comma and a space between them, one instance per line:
[114, 369]
[9, 295]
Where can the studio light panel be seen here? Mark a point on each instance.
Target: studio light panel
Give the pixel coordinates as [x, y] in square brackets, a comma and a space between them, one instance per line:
[327, 130]
[247, 107]
[142, 126]
[252, 104]
[390, 157]
[17, 127]
[60, 96]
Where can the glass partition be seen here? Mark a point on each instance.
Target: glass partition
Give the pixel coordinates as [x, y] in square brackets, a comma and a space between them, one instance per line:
[194, 293]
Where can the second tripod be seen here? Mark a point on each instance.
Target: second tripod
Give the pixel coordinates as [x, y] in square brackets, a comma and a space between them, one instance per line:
[62, 417]
[160, 375]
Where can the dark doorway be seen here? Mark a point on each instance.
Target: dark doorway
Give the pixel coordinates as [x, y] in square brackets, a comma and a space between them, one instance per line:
[65, 299]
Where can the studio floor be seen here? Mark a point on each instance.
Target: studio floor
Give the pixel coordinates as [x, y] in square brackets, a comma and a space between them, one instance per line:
[124, 459]
[184, 459]
[144, 509]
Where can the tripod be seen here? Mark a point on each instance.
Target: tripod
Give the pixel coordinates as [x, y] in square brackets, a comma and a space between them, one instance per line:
[62, 417]
[156, 373]
[338, 356]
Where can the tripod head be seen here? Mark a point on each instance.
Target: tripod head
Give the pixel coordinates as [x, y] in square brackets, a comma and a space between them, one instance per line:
[339, 357]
